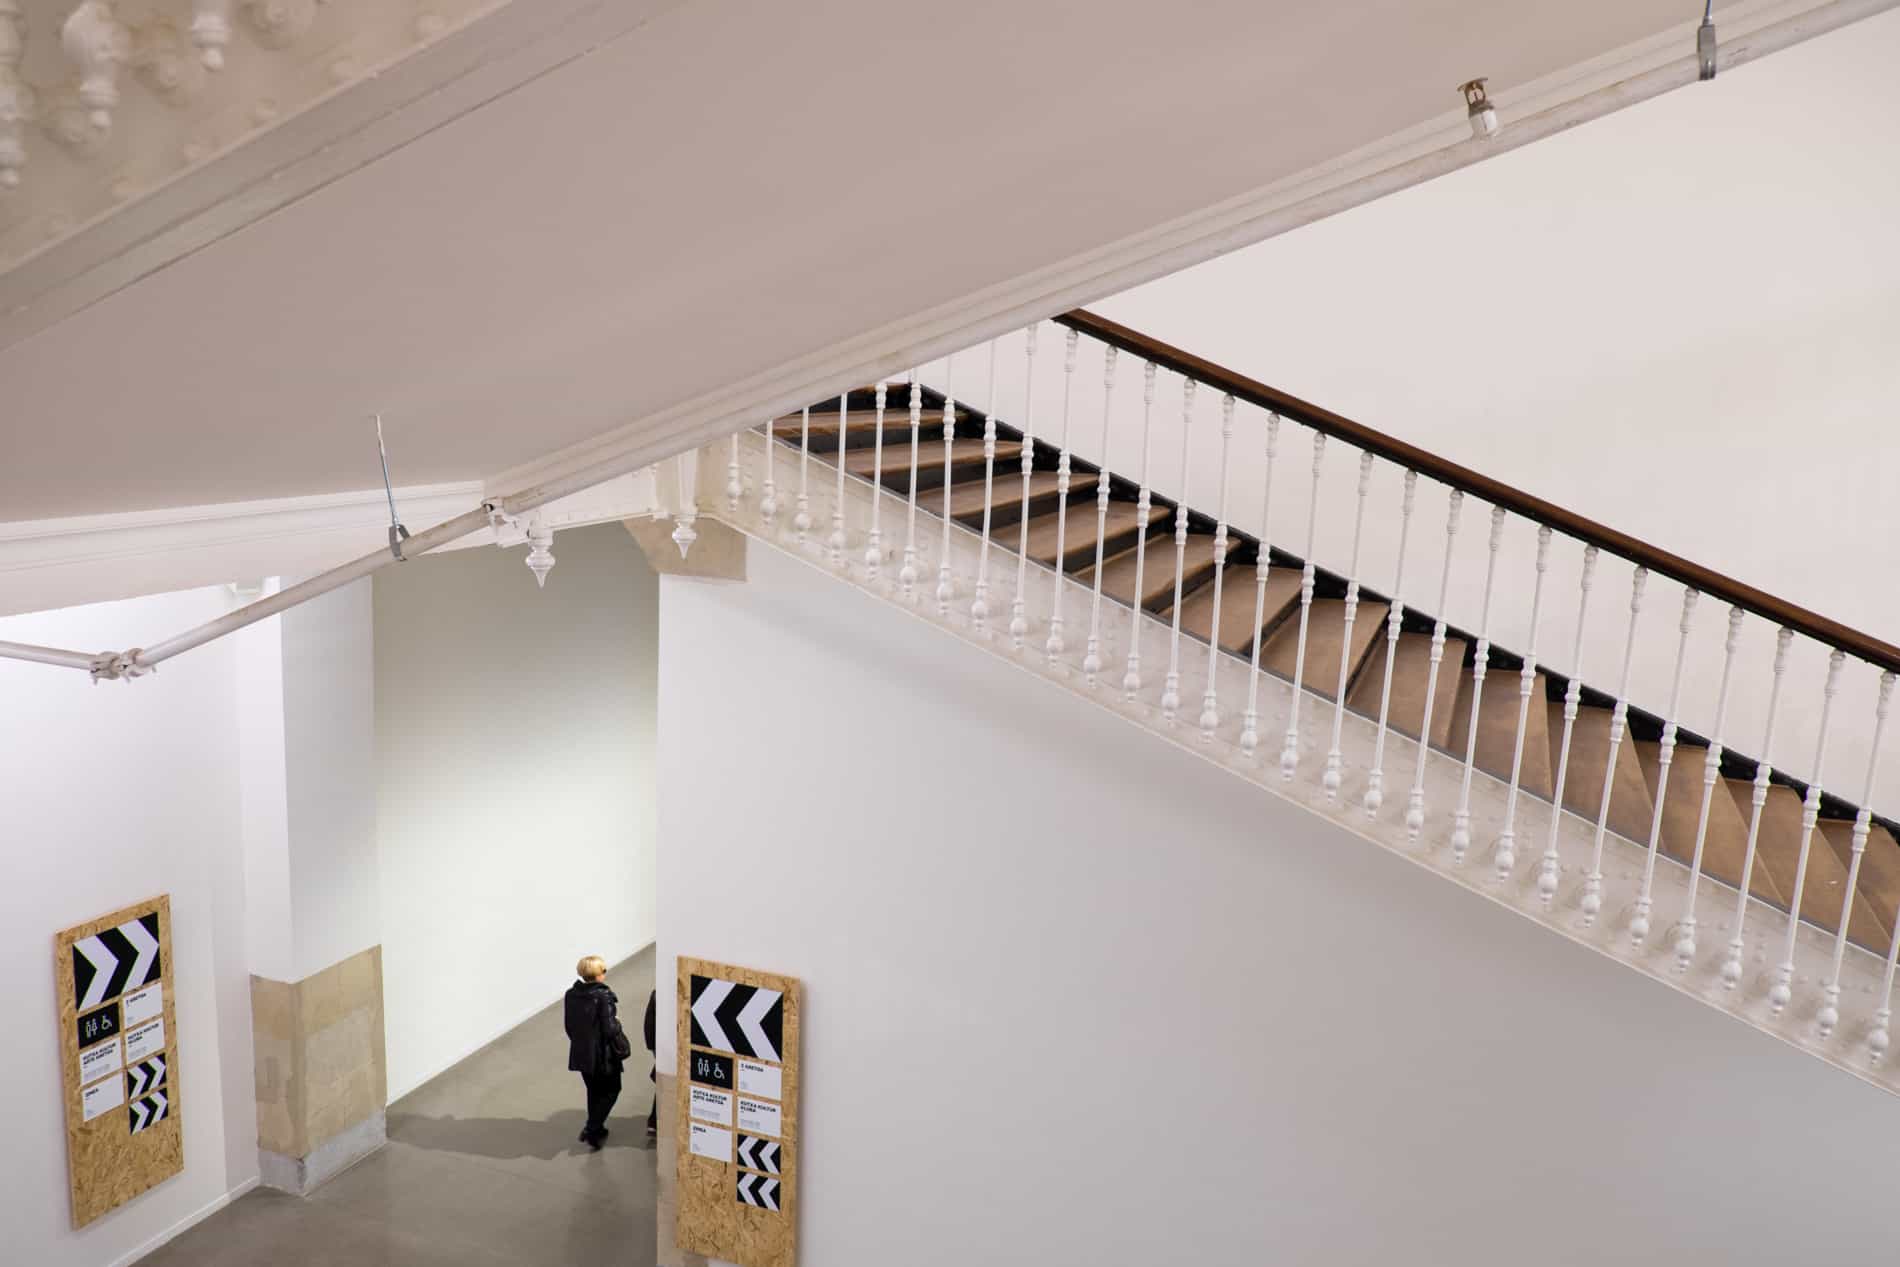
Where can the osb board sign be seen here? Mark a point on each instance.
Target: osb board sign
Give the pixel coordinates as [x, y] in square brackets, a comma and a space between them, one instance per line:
[118, 1038]
[737, 1119]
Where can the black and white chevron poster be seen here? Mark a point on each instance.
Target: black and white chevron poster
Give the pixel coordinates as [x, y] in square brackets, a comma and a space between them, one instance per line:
[758, 1154]
[147, 1075]
[148, 1112]
[108, 964]
[758, 1191]
[743, 1019]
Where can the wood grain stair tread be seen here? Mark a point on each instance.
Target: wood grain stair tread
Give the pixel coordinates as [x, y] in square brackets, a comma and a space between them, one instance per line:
[1238, 591]
[1155, 556]
[1410, 672]
[966, 452]
[1124, 529]
[1497, 728]
[1326, 631]
[1725, 846]
[1630, 800]
[1871, 924]
[966, 497]
[861, 425]
[1778, 849]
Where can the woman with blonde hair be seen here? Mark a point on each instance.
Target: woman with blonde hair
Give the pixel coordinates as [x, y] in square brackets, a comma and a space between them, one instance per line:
[597, 1047]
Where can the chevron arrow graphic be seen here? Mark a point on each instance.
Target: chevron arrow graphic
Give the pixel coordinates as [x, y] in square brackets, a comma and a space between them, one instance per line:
[148, 1112]
[144, 1076]
[758, 1191]
[758, 1154]
[109, 963]
[746, 1019]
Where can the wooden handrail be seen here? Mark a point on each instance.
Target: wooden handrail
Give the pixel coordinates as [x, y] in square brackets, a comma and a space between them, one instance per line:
[1873, 650]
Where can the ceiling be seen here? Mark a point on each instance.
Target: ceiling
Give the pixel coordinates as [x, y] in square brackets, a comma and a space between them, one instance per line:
[730, 186]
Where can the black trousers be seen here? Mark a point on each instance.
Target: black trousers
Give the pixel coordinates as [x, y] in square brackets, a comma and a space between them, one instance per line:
[602, 1090]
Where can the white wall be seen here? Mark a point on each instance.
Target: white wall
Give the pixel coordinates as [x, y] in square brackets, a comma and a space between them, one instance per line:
[110, 795]
[514, 729]
[1075, 996]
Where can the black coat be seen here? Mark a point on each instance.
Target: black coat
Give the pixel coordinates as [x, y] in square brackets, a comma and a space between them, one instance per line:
[593, 1019]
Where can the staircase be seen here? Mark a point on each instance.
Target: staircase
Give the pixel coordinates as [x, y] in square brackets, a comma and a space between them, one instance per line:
[1096, 580]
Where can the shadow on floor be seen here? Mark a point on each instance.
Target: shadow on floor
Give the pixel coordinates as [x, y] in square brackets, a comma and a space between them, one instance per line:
[509, 1138]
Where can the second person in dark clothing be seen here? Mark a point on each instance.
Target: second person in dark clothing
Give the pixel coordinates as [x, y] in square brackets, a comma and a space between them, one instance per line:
[597, 1046]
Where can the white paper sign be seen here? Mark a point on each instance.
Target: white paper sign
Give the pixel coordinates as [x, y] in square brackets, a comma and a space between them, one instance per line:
[710, 1141]
[101, 1097]
[758, 1079]
[758, 1117]
[146, 1041]
[96, 1062]
[711, 1106]
[142, 1005]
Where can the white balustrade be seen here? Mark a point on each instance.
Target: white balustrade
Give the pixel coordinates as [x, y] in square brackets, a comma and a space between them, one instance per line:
[836, 541]
[1330, 778]
[1415, 799]
[1548, 868]
[684, 533]
[1144, 502]
[1591, 903]
[874, 540]
[1375, 780]
[1053, 646]
[1092, 653]
[1684, 938]
[1781, 993]
[768, 490]
[907, 574]
[1171, 688]
[735, 487]
[1018, 610]
[1830, 1014]
[1290, 748]
[980, 603]
[801, 515]
[1250, 720]
[946, 586]
[1480, 666]
[1504, 859]
[1210, 698]
[1665, 757]
[1764, 772]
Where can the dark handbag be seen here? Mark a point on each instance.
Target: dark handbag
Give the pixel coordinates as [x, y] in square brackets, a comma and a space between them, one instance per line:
[618, 1044]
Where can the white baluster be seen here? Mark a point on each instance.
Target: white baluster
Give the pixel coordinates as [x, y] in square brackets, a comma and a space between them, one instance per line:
[1415, 799]
[874, 544]
[15, 95]
[907, 575]
[1053, 647]
[801, 516]
[735, 487]
[1782, 992]
[768, 490]
[1732, 962]
[1250, 720]
[1880, 1037]
[1592, 901]
[1665, 757]
[1171, 688]
[1830, 1014]
[1547, 867]
[1210, 699]
[1092, 655]
[1144, 502]
[835, 543]
[1480, 665]
[1331, 777]
[1290, 750]
[980, 604]
[1018, 611]
[211, 31]
[1684, 938]
[97, 44]
[1505, 858]
[1375, 781]
[946, 584]
[684, 534]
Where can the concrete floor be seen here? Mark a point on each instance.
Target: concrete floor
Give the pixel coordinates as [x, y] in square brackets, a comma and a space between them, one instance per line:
[482, 1168]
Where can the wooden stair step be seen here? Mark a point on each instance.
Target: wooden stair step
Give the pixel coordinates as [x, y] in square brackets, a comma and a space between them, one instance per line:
[1497, 728]
[1326, 631]
[1630, 801]
[966, 453]
[1155, 556]
[1411, 667]
[1778, 849]
[1871, 925]
[1238, 586]
[1725, 845]
[1078, 546]
[861, 426]
[1006, 504]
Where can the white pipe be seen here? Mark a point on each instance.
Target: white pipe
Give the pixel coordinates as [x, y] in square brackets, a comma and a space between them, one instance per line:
[49, 655]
